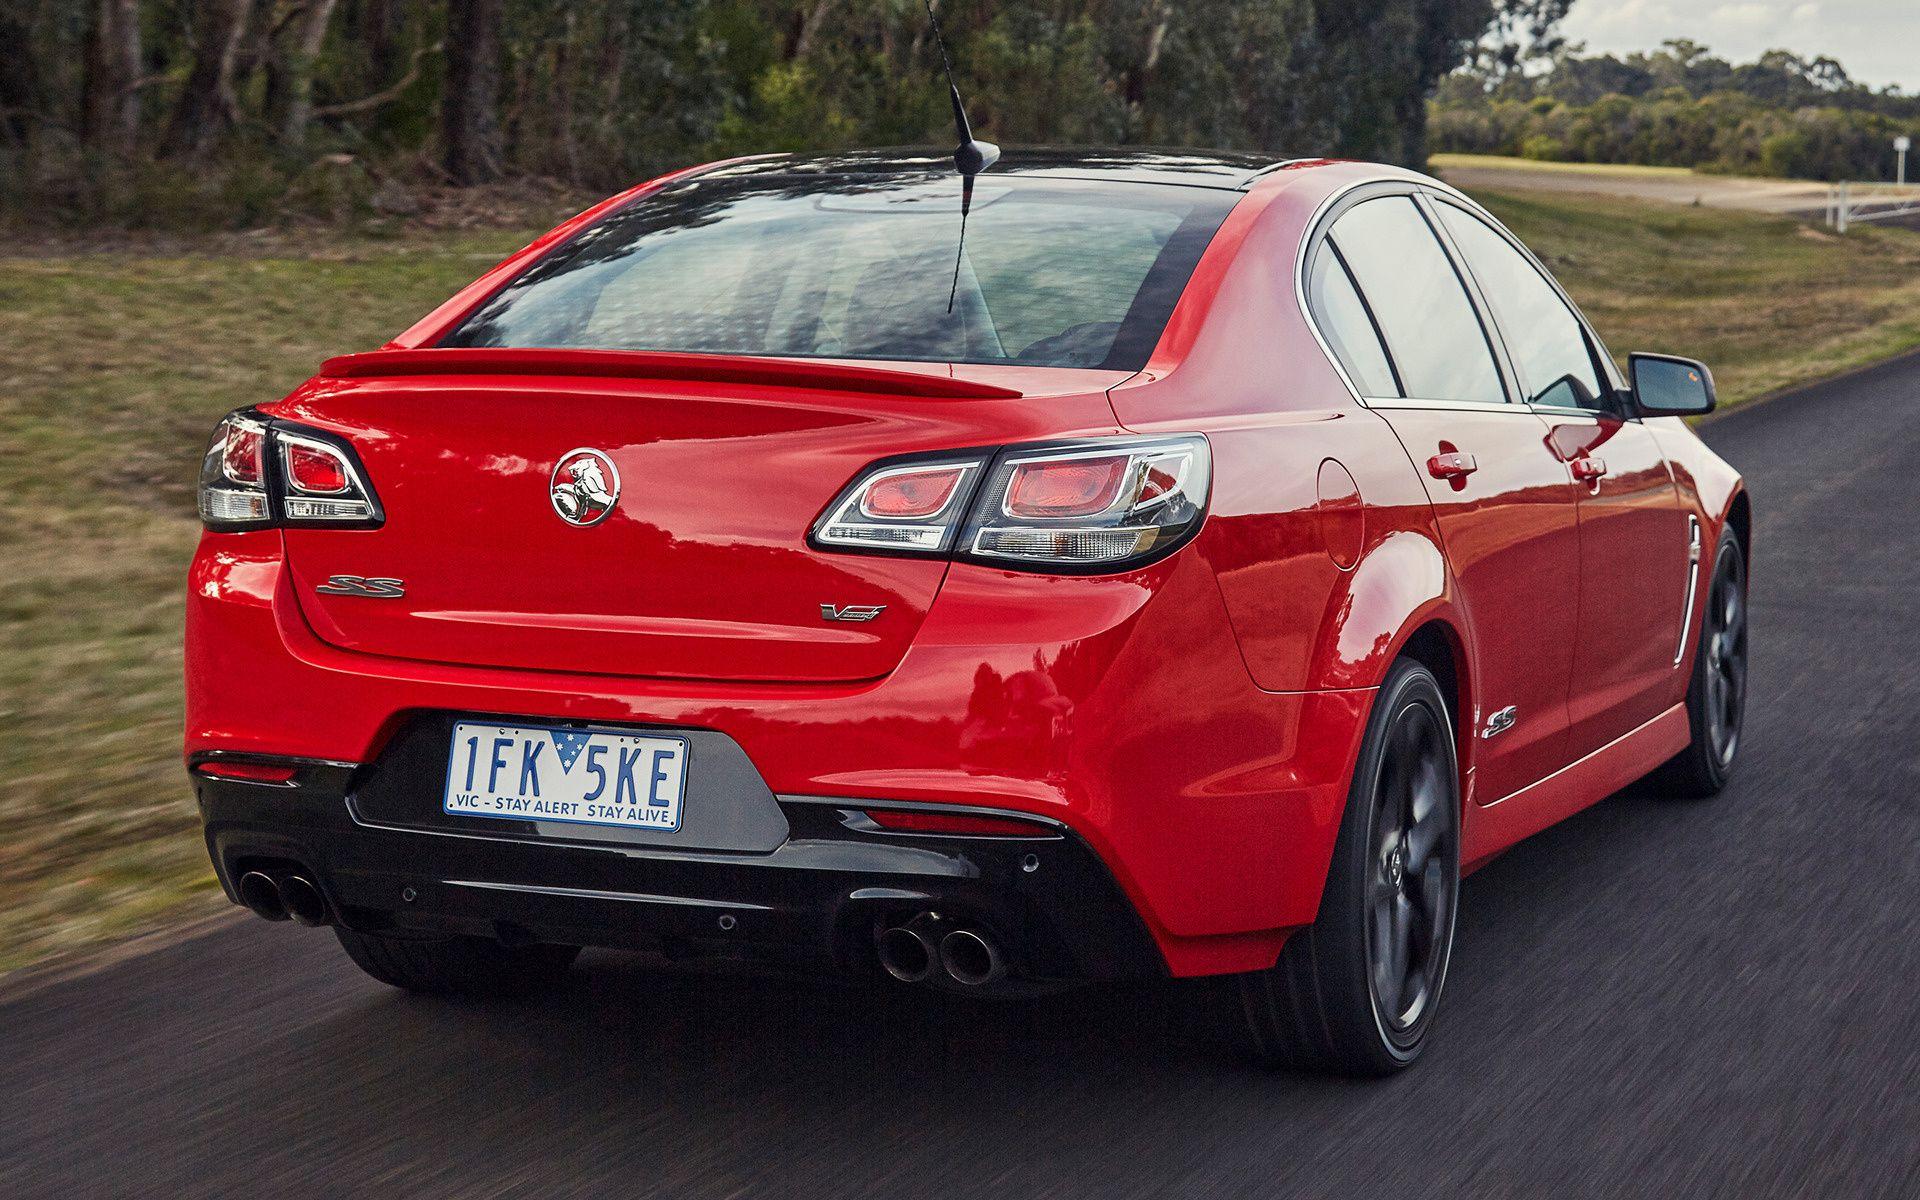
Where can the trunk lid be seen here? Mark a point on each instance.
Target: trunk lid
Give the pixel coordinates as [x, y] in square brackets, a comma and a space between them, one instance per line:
[700, 569]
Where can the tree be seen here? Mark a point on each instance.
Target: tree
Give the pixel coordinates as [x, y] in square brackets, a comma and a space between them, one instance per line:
[470, 120]
[295, 51]
[1524, 34]
[110, 99]
[207, 105]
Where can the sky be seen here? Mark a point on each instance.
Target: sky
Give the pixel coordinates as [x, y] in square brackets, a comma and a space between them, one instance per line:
[1877, 41]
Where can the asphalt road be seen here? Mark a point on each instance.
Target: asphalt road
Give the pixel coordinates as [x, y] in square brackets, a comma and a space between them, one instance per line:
[1655, 998]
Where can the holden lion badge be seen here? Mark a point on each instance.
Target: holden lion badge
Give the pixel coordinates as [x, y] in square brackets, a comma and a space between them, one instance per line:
[585, 487]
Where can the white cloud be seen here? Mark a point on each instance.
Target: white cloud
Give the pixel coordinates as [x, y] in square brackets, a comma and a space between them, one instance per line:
[1751, 15]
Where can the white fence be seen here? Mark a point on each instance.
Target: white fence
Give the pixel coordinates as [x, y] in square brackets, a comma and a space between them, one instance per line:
[1850, 203]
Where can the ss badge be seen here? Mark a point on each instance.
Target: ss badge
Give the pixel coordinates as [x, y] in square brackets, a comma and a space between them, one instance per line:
[359, 585]
[851, 612]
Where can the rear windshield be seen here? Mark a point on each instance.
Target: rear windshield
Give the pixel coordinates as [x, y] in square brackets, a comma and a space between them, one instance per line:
[1051, 273]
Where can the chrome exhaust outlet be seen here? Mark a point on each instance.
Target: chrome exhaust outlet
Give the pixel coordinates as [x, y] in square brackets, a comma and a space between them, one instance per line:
[302, 901]
[971, 958]
[261, 895]
[907, 951]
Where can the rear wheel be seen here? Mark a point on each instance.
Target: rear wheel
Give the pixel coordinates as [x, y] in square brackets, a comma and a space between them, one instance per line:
[460, 965]
[1356, 991]
[1717, 693]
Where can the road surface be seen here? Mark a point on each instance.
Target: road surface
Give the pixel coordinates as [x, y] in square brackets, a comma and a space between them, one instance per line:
[1654, 998]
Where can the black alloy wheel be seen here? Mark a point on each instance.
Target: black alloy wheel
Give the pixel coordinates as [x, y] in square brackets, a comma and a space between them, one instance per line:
[1355, 992]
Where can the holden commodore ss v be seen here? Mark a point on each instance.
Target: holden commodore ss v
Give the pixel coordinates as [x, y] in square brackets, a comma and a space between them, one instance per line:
[1099, 565]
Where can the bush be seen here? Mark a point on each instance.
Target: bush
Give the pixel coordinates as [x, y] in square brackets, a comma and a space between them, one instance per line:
[1544, 148]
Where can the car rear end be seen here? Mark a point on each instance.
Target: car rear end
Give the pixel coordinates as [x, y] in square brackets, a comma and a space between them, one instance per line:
[746, 571]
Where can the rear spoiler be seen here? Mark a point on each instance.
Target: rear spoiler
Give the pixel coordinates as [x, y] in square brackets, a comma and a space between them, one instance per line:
[820, 374]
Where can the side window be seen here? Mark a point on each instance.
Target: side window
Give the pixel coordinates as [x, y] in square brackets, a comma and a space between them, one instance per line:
[1546, 340]
[1344, 322]
[1431, 329]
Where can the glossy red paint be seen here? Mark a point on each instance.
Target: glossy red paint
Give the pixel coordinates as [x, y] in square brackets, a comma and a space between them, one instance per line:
[1196, 721]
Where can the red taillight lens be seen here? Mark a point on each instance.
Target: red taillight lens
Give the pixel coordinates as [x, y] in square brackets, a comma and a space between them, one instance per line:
[243, 456]
[247, 772]
[911, 494]
[316, 469]
[1069, 488]
[956, 824]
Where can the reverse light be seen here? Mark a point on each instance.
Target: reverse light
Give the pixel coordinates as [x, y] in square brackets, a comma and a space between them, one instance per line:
[1095, 506]
[261, 472]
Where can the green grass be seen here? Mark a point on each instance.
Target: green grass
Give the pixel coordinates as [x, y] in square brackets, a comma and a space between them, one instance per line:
[1443, 163]
[1767, 302]
[117, 364]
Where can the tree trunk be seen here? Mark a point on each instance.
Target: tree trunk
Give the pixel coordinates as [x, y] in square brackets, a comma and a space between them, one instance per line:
[298, 53]
[110, 100]
[19, 78]
[206, 105]
[469, 118]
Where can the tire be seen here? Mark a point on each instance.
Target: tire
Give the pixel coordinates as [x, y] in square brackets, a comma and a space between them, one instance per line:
[1355, 993]
[1717, 691]
[467, 966]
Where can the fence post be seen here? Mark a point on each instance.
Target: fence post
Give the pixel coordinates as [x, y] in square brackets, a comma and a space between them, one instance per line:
[1845, 201]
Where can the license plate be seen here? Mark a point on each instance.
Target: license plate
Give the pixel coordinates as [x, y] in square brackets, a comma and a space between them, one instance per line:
[533, 773]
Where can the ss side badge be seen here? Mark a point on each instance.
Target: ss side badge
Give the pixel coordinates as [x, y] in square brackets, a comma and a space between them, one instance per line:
[377, 588]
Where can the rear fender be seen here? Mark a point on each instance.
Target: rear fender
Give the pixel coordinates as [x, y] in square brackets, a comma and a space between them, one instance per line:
[1400, 588]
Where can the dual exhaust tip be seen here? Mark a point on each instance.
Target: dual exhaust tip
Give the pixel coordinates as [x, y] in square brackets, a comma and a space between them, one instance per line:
[283, 897]
[913, 952]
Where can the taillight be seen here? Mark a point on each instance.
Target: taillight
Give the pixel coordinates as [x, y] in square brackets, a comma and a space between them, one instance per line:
[1095, 506]
[260, 472]
[913, 508]
[233, 487]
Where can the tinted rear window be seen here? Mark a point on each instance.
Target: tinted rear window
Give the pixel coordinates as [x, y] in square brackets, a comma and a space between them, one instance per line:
[1053, 273]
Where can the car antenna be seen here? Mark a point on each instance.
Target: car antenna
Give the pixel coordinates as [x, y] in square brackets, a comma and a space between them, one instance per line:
[971, 156]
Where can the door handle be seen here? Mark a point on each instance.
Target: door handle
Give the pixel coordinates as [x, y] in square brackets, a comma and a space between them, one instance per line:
[1587, 468]
[1454, 464]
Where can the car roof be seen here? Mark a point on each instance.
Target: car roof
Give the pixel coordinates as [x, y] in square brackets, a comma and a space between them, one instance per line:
[1224, 169]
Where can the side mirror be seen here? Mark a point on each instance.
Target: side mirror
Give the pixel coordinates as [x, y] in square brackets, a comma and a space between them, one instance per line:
[1664, 386]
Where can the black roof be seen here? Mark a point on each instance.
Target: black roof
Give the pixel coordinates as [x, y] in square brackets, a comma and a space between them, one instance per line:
[1226, 169]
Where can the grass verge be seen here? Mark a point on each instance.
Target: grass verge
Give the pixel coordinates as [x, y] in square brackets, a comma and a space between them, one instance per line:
[1766, 301]
[117, 366]
[1443, 163]
[120, 360]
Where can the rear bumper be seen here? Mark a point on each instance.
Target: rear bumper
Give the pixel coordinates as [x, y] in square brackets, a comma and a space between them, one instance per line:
[821, 895]
[1118, 708]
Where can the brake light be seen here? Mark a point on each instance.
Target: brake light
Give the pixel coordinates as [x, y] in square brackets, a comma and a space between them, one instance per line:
[315, 469]
[243, 453]
[261, 472]
[1095, 506]
[1072, 487]
[907, 494]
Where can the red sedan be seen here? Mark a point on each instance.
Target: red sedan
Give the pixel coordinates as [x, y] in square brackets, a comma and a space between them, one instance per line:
[1157, 565]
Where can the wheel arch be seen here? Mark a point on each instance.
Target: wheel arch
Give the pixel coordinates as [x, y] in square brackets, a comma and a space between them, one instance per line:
[1739, 518]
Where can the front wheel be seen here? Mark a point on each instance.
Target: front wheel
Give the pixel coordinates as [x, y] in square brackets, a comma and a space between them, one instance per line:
[1356, 991]
[1717, 692]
